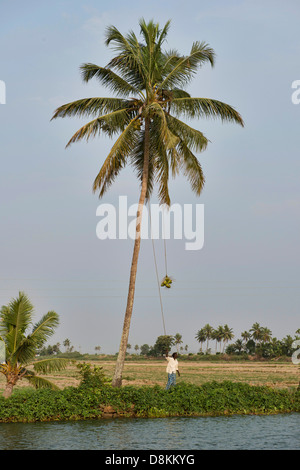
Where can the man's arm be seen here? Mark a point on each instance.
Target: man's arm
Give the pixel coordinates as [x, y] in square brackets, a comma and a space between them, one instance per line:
[177, 370]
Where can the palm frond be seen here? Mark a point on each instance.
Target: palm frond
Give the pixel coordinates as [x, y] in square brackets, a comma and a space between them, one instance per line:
[170, 140]
[205, 107]
[137, 160]
[108, 78]
[25, 353]
[191, 168]
[129, 59]
[45, 366]
[116, 158]
[4, 324]
[15, 319]
[91, 107]
[40, 382]
[162, 179]
[152, 54]
[182, 69]
[109, 124]
[42, 330]
[160, 150]
[193, 138]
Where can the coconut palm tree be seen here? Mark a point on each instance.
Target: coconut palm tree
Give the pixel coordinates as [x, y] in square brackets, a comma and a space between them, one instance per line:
[208, 331]
[200, 337]
[238, 345]
[246, 336]
[266, 334]
[149, 84]
[227, 335]
[20, 350]
[256, 331]
[178, 341]
[218, 335]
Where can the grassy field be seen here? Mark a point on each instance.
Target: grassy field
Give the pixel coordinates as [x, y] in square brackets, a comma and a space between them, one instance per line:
[153, 372]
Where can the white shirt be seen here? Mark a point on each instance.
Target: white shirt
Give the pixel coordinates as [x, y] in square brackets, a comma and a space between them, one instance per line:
[172, 365]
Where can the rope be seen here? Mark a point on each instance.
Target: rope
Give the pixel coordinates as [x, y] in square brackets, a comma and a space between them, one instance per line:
[157, 278]
[165, 247]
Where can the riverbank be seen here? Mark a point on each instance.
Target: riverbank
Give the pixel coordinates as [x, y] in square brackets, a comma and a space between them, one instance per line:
[86, 402]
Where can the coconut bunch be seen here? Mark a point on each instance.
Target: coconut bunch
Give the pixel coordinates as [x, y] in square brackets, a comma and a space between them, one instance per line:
[166, 282]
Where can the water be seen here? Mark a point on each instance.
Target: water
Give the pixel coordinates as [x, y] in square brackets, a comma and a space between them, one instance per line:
[276, 432]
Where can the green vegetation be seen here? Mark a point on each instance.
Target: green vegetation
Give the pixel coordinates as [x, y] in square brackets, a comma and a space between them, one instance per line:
[21, 347]
[257, 341]
[95, 401]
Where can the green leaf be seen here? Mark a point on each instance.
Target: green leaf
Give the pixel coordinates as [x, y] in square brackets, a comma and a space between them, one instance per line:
[45, 366]
[91, 107]
[204, 107]
[108, 78]
[40, 382]
[116, 158]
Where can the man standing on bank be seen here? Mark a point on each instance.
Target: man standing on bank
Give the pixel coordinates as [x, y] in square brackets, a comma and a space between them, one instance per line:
[172, 368]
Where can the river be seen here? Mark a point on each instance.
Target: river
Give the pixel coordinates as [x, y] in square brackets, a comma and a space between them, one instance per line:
[275, 432]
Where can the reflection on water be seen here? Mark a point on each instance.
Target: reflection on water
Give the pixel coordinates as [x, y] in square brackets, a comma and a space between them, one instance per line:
[235, 432]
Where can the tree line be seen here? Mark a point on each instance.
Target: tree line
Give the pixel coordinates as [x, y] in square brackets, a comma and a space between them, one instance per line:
[257, 340]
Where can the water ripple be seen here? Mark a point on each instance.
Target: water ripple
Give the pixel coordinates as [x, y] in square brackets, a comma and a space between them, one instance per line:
[277, 432]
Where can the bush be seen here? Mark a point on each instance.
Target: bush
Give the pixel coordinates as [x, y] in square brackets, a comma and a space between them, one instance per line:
[92, 377]
[89, 400]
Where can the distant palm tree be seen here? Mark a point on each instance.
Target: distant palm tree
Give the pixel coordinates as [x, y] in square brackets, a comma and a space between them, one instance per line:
[256, 331]
[227, 335]
[238, 345]
[20, 350]
[208, 330]
[177, 341]
[218, 335]
[67, 345]
[266, 334]
[201, 337]
[246, 336]
[149, 84]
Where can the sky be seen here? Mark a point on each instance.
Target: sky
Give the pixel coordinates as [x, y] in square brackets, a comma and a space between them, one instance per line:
[248, 268]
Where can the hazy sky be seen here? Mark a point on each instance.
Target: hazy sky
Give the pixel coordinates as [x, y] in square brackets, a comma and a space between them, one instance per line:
[248, 269]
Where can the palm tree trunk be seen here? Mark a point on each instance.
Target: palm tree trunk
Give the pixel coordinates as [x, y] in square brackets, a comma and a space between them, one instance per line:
[8, 390]
[117, 379]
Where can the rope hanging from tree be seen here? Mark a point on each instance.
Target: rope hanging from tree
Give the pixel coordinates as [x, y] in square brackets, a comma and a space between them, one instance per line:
[166, 281]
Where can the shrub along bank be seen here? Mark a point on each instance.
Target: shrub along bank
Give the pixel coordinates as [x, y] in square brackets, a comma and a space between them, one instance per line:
[89, 401]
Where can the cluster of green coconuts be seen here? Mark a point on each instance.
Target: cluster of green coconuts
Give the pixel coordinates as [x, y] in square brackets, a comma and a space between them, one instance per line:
[166, 282]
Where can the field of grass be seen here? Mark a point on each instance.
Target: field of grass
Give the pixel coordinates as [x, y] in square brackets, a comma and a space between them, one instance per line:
[153, 372]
